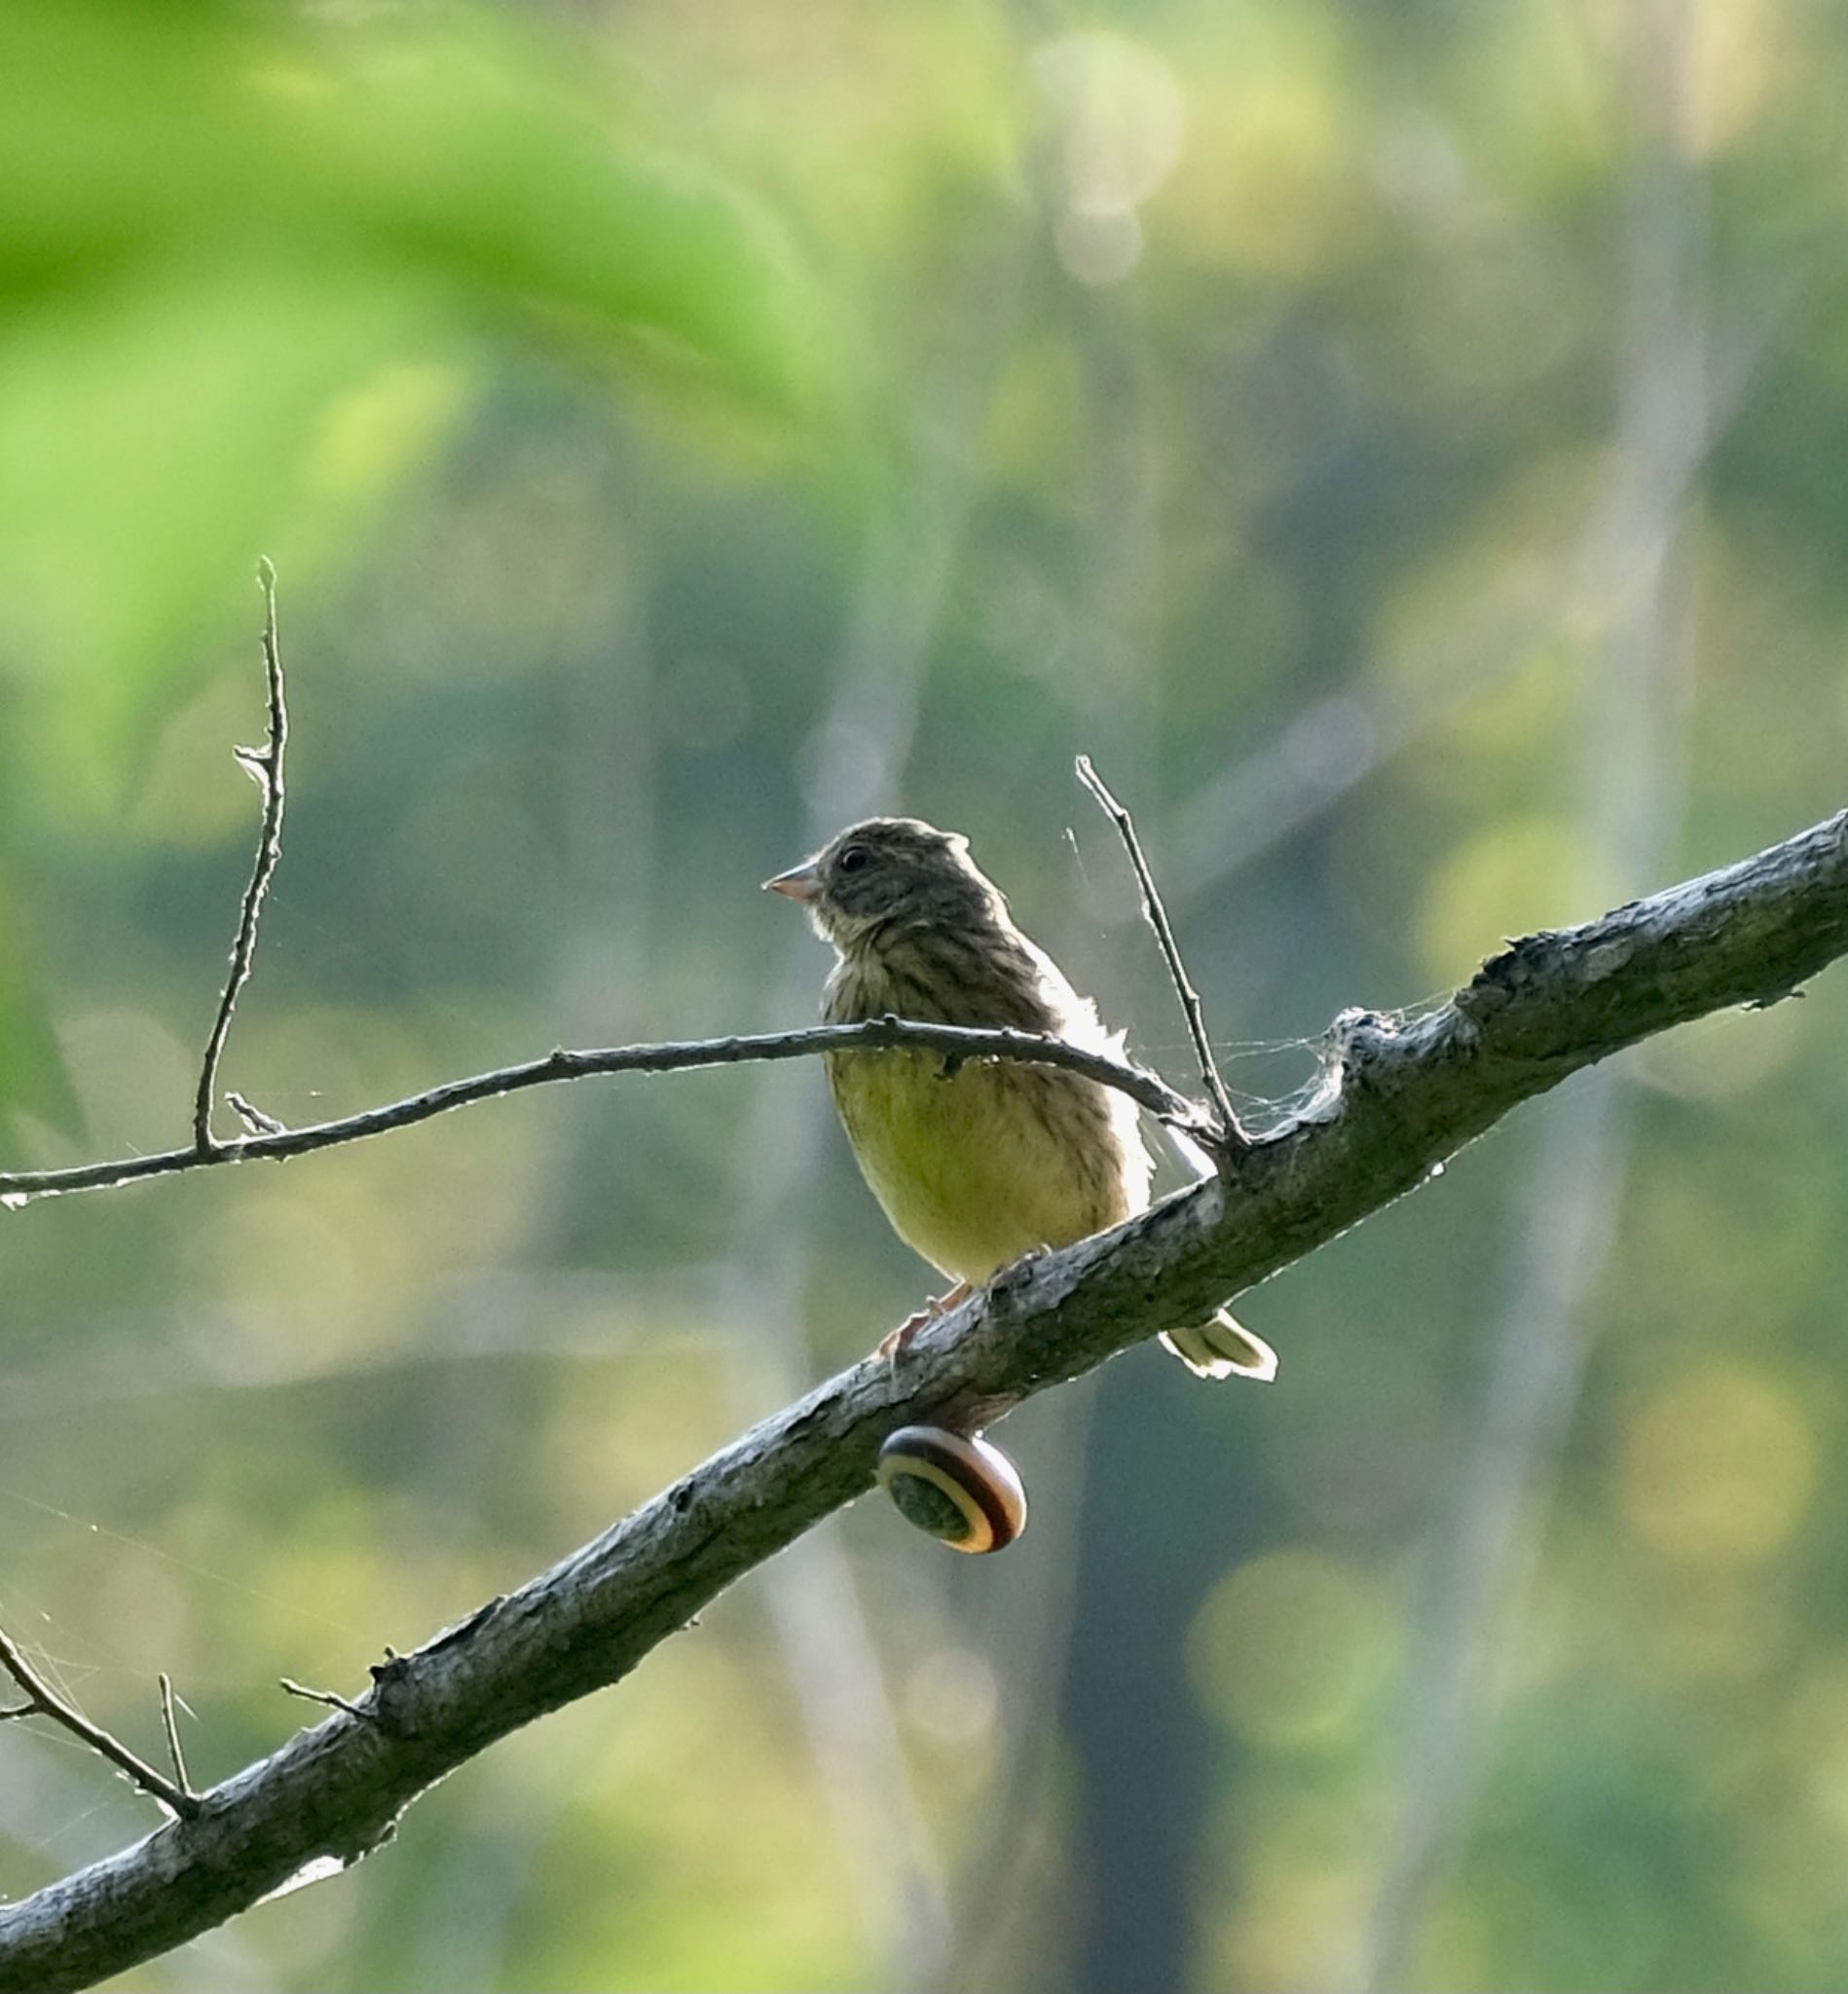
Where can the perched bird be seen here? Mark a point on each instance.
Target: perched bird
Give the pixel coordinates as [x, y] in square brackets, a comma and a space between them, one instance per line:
[977, 1167]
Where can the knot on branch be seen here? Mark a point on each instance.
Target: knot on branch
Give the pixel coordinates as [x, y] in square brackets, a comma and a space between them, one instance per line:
[1356, 1047]
[1585, 958]
[394, 1694]
[1606, 958]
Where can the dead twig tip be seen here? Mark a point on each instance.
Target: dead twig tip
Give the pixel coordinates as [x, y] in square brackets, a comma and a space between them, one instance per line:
[264, 766]
[1230, 1134]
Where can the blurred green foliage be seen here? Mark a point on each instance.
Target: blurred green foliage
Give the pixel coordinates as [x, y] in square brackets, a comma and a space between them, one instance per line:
[680, 429]
[248, 262]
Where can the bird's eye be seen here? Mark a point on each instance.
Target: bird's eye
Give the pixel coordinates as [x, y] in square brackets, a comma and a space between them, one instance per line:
[853, 859]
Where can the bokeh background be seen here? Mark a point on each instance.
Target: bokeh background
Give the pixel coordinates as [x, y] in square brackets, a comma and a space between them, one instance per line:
[1404, 445]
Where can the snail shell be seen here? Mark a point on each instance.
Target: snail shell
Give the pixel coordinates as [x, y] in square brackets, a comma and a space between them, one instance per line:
[959, 1489]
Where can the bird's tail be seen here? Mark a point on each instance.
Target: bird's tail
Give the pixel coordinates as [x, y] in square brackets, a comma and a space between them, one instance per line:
[1223, 1349]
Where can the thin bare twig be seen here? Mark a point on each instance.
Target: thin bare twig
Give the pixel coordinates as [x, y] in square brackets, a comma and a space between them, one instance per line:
[254, 1119]
[268, 1139]
[265, 765]
[42, 1700]
[874, 1034]
[1231, 1135]
[330, 1698]
[171, 1723]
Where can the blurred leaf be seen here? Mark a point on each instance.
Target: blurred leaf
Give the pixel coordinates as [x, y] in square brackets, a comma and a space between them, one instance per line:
[220, 225]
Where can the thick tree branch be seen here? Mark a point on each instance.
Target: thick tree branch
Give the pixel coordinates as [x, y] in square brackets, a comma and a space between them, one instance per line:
[1399, 1101]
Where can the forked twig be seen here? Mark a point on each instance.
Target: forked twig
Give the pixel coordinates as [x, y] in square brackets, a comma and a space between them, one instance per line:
[265, 766]
[1231, 1135]
[265, 1137]
[42, 1700]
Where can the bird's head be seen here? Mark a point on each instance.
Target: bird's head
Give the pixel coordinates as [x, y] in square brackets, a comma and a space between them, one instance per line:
[889, 869]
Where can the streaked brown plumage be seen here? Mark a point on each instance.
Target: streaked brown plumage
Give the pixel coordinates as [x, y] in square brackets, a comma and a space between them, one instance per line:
[980, 1167]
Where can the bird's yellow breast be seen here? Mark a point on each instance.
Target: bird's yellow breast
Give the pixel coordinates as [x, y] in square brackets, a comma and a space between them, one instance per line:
[977, 1168]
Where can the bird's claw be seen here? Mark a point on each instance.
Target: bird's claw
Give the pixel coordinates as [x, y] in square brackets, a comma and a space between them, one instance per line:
[892, 1345]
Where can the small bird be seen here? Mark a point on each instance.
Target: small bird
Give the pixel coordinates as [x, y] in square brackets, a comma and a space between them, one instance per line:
[996, 1160]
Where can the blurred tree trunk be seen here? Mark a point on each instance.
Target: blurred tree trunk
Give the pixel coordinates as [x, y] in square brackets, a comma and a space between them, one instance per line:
[1148, 1761]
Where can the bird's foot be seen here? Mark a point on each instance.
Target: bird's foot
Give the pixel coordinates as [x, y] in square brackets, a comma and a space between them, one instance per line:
[892, 1347]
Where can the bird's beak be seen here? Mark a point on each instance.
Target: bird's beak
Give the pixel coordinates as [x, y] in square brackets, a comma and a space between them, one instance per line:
[799, 882]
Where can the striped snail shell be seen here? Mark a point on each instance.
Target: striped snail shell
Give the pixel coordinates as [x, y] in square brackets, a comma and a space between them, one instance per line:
[958, 1487]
